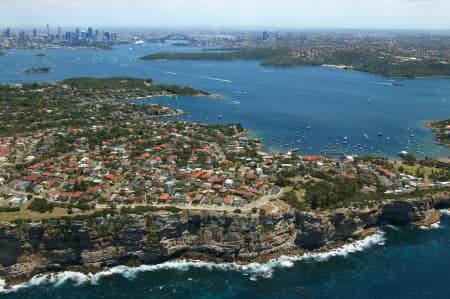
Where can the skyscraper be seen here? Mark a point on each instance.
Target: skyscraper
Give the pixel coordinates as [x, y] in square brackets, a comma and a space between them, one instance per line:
[34, 33]
[22, 36]
[59, 33]
[90, 33]
[48, 30]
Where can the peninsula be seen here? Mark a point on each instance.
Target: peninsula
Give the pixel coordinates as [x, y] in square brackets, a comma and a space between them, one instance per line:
[89, 180]
[442, 129]
[379, 62]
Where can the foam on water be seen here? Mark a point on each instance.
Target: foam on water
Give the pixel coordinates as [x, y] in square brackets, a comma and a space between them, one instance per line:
[218, 79]
[381, 83]
[445, 212]
[255, 271]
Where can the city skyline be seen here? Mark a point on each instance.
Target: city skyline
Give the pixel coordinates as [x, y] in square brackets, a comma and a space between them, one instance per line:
[396, 14]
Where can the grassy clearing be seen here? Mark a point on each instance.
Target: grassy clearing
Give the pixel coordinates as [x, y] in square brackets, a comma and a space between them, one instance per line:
[412, 170]
[24, 213]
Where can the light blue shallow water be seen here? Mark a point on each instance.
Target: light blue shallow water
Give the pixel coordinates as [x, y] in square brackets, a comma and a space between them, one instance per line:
[276, 104]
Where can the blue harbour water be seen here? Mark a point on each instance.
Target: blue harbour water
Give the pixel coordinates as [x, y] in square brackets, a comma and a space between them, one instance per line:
[277, 105]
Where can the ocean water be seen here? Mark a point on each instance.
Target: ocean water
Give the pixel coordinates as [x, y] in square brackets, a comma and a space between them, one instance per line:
[310, 108]
[277, 105]
[398, 262]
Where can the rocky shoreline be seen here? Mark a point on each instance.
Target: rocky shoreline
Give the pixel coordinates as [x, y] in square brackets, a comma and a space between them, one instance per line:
[95, 245]
[436, 130]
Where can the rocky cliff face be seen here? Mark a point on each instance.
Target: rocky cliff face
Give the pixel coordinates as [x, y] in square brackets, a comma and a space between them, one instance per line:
[96, 243]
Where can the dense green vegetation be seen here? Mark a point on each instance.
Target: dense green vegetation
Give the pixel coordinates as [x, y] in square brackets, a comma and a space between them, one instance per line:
[293, 201]
[243, 54]
[9, 209]
[440, 127]
[140, 210]
[40, 205]
[409, 159]
[370, 61]
[106, 83]
[128, 84]
[38, 70]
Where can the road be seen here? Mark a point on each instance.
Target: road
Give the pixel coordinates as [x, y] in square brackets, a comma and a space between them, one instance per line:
[254, 204]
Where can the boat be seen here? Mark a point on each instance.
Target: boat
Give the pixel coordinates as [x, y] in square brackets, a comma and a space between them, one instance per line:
[220, 116]
[308, 127]
[398, 83]
[345, 138]
[293, 150]
[380, 134]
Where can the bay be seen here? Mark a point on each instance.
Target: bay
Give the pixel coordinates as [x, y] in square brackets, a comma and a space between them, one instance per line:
[310, 108]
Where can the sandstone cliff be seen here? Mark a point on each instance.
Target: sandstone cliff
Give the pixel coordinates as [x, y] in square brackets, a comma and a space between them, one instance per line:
[91, 245]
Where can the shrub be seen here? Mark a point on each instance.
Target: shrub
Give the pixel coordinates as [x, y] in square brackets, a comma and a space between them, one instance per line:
[9, 209]
[40, 205]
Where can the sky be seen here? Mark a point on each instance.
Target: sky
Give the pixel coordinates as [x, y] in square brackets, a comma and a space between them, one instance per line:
[376, 14]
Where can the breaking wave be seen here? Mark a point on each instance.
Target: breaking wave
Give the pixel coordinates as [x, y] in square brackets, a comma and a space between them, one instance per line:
[255, 271]
[445, 212]
[433, 226]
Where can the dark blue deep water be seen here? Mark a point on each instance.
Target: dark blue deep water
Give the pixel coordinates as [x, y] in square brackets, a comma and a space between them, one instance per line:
[277, 105]
[403, 262]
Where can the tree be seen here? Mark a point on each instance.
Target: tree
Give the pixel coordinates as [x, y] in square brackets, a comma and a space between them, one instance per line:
[409, 159]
